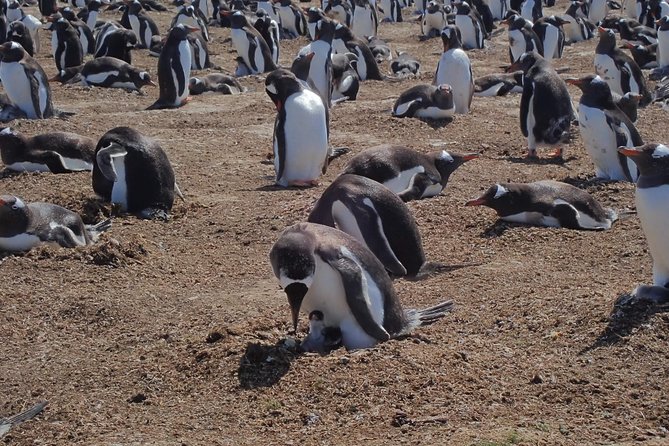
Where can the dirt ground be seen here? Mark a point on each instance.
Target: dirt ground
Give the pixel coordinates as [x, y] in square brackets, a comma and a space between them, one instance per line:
[172, 333]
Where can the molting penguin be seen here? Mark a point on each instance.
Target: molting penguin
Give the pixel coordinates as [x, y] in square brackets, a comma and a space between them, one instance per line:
[133, 172]
[110, 72]
[455, 69]
[345, 80]
[522, 38]
[215, 82]
[410, 174]
[269, 30]
[174, 69]
[472, 31]
[24, 226]
[499, 84]
[549, 30]
[25, 82]
[405, 65]
[652, 203]
[250, 45]
[301, 130]
[380, 49]
[57, 152]
[376, 217]
[136, 19]
[322, 268]
[65, 44]
[546, 203]
[18, 33]
[542, 85]
[365, 22]
[425, 101]
[604, 128]
[117, 43]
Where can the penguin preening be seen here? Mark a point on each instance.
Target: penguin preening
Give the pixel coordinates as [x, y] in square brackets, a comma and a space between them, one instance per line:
[133, 172]
[376, 217]
[250, 45]
[412, 175]
[546, 203]
[215, 82]
[65, 44]
[269, 29]
[454, 69]
[425, 101]
[324, 269]
[24, 226]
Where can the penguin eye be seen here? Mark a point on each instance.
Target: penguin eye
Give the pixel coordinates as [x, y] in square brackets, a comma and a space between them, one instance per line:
[15, 206]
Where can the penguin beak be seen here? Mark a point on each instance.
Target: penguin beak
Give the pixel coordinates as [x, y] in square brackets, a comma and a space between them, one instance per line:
[627, 45]
[505, 22]
[152, 84]
[469, 157]
[477, 202]
[310, 56]
[574, 81]
[513, 67]
[601, 30]
[295, 292]
[2, 202]
[629, 151]
[226, 13]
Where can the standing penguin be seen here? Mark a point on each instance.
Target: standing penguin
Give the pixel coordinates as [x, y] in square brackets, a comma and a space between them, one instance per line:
[301, 130]
[90, 13]
[579, 28]
[392, 10]
[531, 10]
[652, 203]
[174, 65]
[293, 20]
[539, 122]
[270, 31]
[25, 82]
[320, 69]
[663, 42]
[47, 7]
[136, 19]
[322, 268]
[345, 42]
[314, 15]
[365, 22]
[522, 38]
[376, 217]
[470, 26]
[133, 172]
[250, 45]
[340, 10]
[498, 8]
[117, 43]
[604, 128]
[618, 69]
[65, 45]
[188, 15]
[549, 31]
[83, 31]
[433, 20]
[454, 68]
[425, 101]
[19, 33]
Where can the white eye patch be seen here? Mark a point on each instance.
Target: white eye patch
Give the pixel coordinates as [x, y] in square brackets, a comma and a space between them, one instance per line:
[271, 88]
[446, 156]
[501, 191]
[661, 151]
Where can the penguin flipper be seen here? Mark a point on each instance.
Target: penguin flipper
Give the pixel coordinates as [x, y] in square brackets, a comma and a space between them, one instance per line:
[566, 215]
[34, 87]
[104, 159]
[356, 296]
[528, 93]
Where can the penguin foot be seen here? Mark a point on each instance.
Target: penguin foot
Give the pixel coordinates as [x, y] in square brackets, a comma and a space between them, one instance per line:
[656, 295]
[556, 154]
[532, 154]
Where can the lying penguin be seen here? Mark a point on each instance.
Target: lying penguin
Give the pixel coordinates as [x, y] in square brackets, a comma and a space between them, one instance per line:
[215, 82]
[425, 101]
[546, 203]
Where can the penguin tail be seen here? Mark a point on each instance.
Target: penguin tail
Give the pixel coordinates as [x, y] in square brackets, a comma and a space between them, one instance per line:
[177, 190]
[95, 230]
[612, 215]
[60, 114]
[426, 316]
[336, 152]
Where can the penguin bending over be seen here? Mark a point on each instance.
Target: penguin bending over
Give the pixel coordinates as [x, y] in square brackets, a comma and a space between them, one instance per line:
[65, 44]
[109, 72]
[405, 65]
[455, 69]
[324, 269]
[425, 101]
[250, 45]
[216, 82]
[499, 84]
[117, 43]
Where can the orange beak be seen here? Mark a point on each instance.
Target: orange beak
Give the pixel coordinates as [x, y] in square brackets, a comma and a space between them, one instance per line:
[574, 81]
[470, 156]
[477, 202]
[2, 202]
[513, 67]
[629, 151]
[601, 29]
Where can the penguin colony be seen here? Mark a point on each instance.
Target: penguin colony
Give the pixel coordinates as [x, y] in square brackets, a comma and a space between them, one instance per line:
[337, 267]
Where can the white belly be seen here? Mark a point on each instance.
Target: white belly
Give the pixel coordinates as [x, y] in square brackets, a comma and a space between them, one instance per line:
[526, 9]
[99, 78]
[435, 113]
[361, 66]
[317, 72]
[403, 181]
[572, 31]
[434, 21]
[533, 218]
[185, 59]
[346, 222]
[455, 70]
[663, 48]
[135, 25]
[119, 193]
[466, 26]
[76, 164]
[241, 43]
[21, 242]
[287, 19]
[20, 92]
[606, 68]
[496, 8]
[653, 208]
[363, 23]
[551, 43]
[516, 44]
[598, 10]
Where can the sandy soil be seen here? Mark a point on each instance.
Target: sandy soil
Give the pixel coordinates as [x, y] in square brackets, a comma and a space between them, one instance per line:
[171, 333]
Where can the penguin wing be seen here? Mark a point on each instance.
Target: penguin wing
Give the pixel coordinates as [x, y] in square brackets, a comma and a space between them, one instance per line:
[358, 300]
[528, 93]
[104, 159]
[253, 47]
[625, 77]
[35, 91]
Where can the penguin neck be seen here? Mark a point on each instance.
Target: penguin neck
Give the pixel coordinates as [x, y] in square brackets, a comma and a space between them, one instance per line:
[14, 223]
[11, 145]
[653, 180]
[120, 187]
[605, 46]
[597, 101]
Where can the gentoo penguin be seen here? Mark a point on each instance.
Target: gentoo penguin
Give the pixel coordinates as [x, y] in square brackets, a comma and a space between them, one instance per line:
[425, 101]
[199, 52]
[9, 111]
[365, 22]
[639, 34]
[84, 33]
[498, 8]
[644, 55]
[628, 104]
[345, 80]
[455, 69]
[663, 42]
[25, 82]
[604, 128]
[47, 7]
[301, 130]
[189, 15]
[117, 43]
[270, 10]
[499, 84]
[321, 339]
[405, 65]
[652, 192]
[410, 174]
[205, 9]
[18, 33]
[549, 30]
[468, 22]
[57, 152]
[65, 45]
[522, 38]
[270, 31]
[322, 268]
[380, 49]
[320, 67]
[136, 19]
[531, 10]
[376, 217]
[340, 10]
[482, 10]
[392, 11]
[110, 72]
[546, 203]
[314, 15]
[618, 69]
[13, 11]
[542, 85]
[250, 45]
[293, 21]
[133, 172]
[433, 20]
[579, 28]
[598, 10]
[89, 14]
[216, 82]
[33, 25]
[24, 226]
[102, 31]
[174, 69]
[345, 42]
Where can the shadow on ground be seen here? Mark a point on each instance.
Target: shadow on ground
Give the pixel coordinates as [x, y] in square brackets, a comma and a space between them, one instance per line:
[264, 365]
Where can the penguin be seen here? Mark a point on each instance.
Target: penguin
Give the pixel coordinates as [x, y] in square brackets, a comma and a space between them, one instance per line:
[89, 14]
[19, 33]
[344, 41]
[83, 31]
[301, 130]
[216, 82]
[663, 42]
[24, 226]
[549, 31]
[468, 22]
[498, 8]
[604, 128]
[293, 20]
[314, 15]
[174, 65]
[652, 190]
[270, 31]
[33, 25]
[410, 174]
[546, 203]
[484, 14]
[57, 152]
[9, 111]
[433, 20]
[618, 69]
[531, 10]
[405, 65]
[188, 15]
[133, 172]
[14, 11]
[376, 217]
[321, 339]
[542, 85]
[320, 64]
[47, 7]
[499, 84]
[522, 38]
[628, 104]
[345, 80]
[205, 9]
[102, 31]
[322, 268]
[425, 101]
[65, 45]
[110, 72]
[365, 22]
[598, 10]
[118, 43]
[455, 69]
[644, 55]
[25, 82]
[639, 34]
[250, 45]
[340, 10]
[136, 19]
[392, 10]
[380, 49]
[199, 52]
[270, 10]
[579, 28]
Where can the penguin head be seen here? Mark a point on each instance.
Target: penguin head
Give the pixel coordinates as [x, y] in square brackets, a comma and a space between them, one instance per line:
[325, 30]
[525, 62]
[607, 39]
[280, 84]
[462, 8]
[237, 19]
[142, 78]
[652, 159]
[594, 88]
[433, 7]
[134, 7]
[196, 85]
[301, 66]
[179, 33]
[498, 197]
[343, 32]
[446, 162]
[663, 23]
[314, 14]
[14, 215]
[450, 36]
[514, 21]
[11, 52]
[17, 29]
